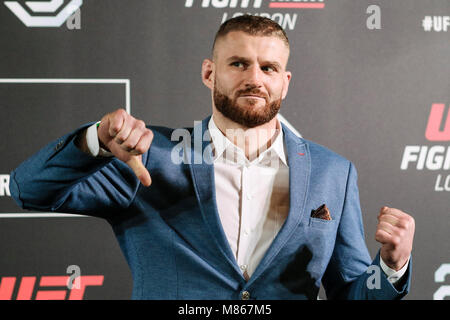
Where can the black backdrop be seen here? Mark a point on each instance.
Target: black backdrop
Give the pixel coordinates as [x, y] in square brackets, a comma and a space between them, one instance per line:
[365, 77]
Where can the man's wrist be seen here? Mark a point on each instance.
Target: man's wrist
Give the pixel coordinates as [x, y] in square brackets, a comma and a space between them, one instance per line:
[393, 275]
[93, 143]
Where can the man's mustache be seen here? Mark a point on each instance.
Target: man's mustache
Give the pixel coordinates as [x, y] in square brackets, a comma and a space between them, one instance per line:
[253, 92]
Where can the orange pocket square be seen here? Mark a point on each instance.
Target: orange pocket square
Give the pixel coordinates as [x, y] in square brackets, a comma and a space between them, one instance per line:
[321, 212]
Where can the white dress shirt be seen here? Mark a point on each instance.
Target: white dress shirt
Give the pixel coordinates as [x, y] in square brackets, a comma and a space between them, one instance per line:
[252, 196]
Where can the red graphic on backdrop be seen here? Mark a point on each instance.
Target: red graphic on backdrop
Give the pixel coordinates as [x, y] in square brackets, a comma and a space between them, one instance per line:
[27, 284]
[296, 5]
[433, 132]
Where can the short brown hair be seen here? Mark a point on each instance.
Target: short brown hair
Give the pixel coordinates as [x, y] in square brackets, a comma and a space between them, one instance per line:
[252, 25]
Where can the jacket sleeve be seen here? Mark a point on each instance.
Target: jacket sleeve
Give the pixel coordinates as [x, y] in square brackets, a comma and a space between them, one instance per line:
[351, 274]
[62, 178]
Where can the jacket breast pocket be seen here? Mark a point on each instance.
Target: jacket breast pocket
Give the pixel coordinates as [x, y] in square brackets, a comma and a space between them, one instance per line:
[323, 224]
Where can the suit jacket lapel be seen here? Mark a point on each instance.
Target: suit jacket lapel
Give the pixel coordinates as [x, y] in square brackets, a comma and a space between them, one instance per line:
[299, 162]
[204, 185]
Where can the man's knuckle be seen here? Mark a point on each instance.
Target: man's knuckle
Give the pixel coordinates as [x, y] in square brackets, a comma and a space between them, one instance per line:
[126, 148]
[128, 145]
[115, 127]
[384, 224]
[140, 149]
[402, 224]
[119, 139]
[408, 222]
[120, 113]
[140, 124]
[395, 241]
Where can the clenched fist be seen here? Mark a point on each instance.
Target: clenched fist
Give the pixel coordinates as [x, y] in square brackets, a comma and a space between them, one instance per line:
[127, 139]
[395, 231]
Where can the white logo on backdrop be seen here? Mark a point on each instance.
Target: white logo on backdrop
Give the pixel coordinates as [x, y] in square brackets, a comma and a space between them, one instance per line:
[287, 20]
[49, 7]
[4, 185]
[439, 277]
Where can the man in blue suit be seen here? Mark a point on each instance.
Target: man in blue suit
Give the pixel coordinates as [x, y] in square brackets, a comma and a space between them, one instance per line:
[241, 208]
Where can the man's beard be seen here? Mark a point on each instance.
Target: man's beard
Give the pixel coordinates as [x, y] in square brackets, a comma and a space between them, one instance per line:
[246, 116]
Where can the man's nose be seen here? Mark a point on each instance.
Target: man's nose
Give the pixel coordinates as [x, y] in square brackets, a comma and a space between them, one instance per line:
[253, 77]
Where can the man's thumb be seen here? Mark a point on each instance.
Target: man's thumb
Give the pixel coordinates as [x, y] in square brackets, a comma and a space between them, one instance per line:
[135, 163]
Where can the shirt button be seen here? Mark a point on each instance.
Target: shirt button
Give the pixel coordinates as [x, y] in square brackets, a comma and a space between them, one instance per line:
[249, 196]
[243, 267]
[245, 295]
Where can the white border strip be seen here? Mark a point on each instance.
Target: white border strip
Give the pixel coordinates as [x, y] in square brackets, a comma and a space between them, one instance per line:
[126, 82]
[41, 215]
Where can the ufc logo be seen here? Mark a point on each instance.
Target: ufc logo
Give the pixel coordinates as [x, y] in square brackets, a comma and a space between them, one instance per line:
[49, 8]
[26, 287]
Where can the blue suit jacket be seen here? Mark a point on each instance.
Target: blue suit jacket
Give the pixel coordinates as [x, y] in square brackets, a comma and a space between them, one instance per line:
[171, 234]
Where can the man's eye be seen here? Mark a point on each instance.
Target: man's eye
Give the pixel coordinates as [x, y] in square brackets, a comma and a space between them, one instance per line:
[237, 64]
[268, 69]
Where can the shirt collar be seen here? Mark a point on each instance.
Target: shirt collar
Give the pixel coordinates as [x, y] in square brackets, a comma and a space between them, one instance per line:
[221, 143]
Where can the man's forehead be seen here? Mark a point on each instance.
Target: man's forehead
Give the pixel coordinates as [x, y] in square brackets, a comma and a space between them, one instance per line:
[236, 42]
[241, 37]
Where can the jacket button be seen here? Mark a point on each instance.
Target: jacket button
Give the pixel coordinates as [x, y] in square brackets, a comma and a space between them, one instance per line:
[245, 295]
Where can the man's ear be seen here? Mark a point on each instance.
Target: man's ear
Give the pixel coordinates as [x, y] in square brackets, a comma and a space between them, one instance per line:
[287, 80]
[208, 73]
